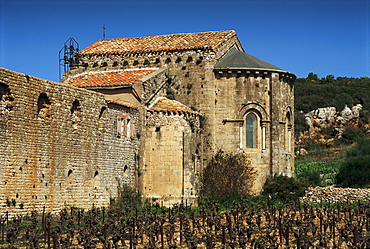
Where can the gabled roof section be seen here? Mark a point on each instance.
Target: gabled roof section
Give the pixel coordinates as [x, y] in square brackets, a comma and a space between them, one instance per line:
[109, 79]
[173, 42]
[236, 59]
[115, 102]
[163, 104]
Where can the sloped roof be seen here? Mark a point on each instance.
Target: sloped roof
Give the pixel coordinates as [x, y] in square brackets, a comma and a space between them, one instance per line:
[111, 101]
[236, 59]
[183, 41]
[163, 104]
[109, 79]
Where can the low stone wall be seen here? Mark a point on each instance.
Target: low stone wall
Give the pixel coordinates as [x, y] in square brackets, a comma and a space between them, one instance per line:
[333, 194]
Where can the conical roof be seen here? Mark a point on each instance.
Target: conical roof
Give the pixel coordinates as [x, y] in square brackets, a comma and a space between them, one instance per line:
[236, 59]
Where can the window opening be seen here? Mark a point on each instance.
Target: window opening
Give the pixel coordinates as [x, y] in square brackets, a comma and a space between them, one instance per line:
[6, 99]
[102, 113]
[70, 177]
[287, 133]
[76, 113]
[251, 130]
[43, 106]
[96, 179]
[121, 126]
[125, 127]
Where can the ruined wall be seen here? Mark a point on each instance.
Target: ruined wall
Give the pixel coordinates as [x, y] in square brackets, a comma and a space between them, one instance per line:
[172, 164]
[59, 146]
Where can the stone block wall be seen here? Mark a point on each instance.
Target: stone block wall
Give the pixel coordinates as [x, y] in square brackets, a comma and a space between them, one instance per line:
[238, 93]
[59, 146]
[171, 166]
[221, 96]
[282, 124]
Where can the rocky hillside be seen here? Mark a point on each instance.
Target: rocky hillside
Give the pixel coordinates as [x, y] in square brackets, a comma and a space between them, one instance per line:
[334, 114]
[322, 118]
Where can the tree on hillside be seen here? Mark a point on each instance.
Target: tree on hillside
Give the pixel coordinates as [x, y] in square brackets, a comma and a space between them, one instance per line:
[312, 77]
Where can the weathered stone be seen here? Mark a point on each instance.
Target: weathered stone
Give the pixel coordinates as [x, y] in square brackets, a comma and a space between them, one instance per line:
[328, 116]
[59, 154]
[79, 143]
[333, 194]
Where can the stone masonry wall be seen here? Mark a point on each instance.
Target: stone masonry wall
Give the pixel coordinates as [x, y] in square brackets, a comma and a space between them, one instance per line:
[196, 85]
[237, 93]
[171, 162]
[192, 72]
[59, 146]
[282, 125]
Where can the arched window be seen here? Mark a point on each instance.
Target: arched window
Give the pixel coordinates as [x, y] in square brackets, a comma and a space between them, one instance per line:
[96, 179]
[288, 133]
[70, 177]
[251, 130]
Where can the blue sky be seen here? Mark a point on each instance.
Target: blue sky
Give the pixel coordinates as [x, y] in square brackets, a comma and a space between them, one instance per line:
[320, 36]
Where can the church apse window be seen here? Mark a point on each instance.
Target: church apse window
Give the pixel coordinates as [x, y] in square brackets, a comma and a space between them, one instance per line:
[287, 133]
[251, 130]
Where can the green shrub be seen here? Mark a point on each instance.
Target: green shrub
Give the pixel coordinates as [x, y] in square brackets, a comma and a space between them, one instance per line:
[127, 196]
[318, 173]
[285, 189]
[300, 124]
[227, 177]
[351, 134]
[355, 172]
[329, 132]
[312, 177]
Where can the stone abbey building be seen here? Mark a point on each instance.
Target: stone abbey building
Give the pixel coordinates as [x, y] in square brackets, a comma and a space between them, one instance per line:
[146, 111]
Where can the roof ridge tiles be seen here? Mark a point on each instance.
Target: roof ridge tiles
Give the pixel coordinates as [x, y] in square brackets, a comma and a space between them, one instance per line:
[114, 78]
[157, 43]
[109, 71]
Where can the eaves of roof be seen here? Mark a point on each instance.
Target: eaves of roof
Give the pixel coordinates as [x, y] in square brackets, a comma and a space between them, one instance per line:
[236, 59]
[110, 101]
[163, 104]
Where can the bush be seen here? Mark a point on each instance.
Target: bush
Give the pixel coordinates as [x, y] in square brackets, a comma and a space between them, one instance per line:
[285, 189]
[352, 134]
[300, 124]
[227, 177]
[318, 173]
[127, 196]
[355, 170]
[312, 177]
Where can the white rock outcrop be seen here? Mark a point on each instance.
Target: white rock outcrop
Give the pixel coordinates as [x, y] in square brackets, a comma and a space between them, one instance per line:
[324, 117]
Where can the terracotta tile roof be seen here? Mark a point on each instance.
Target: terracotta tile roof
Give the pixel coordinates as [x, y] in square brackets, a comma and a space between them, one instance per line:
[163, 104]
[184, 41]
[108, 79]
[111, 101]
